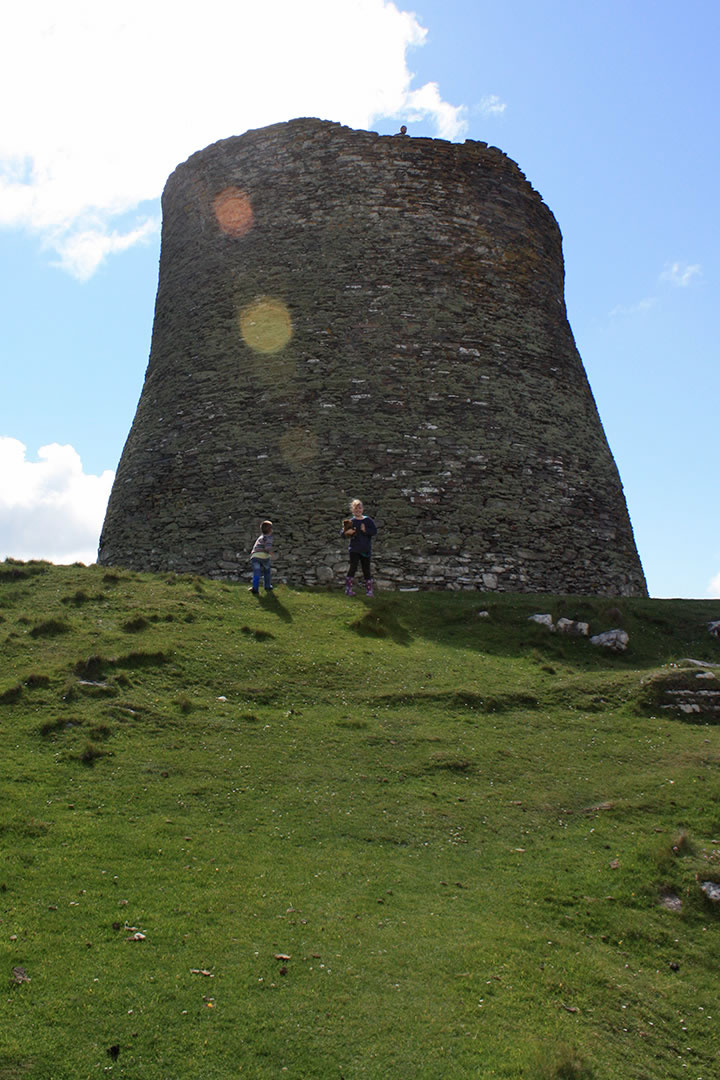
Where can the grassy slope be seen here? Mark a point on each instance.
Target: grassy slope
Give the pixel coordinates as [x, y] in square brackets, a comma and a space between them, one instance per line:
[456, 828]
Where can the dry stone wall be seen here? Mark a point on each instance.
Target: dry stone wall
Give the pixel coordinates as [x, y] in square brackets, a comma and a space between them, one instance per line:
[345, 314]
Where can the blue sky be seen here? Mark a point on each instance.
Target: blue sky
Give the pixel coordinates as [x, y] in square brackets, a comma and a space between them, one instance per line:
[608, 107]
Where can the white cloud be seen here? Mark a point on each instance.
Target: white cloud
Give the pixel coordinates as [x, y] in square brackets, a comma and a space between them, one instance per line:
[81, 252]
[50, 509]
[107, 99]
[634, 309]
[680, 274]
[713, 589]
[449, 120]
[491, 105]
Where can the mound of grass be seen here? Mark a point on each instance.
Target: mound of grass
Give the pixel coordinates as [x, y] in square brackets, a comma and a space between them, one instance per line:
[325, 837]
[10, 694]
[134, 625]
[50, 628]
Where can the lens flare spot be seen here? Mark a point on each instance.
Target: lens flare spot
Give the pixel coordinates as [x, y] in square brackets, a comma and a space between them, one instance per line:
[298, 447]
[266, 325]
[233, 211]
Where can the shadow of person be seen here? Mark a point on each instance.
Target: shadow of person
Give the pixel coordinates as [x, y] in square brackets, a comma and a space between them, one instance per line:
[380, 621]
[270, 602]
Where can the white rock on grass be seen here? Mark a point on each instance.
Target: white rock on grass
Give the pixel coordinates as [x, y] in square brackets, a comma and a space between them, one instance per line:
[612, 639]
[571, 626]
[711, 890]
[544, 620]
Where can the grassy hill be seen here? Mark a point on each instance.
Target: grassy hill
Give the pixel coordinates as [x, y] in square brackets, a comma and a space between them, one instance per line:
[316, 837]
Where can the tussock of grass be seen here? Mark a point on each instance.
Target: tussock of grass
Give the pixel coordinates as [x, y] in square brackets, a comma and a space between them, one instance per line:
[36, 681]
[100, 732]
[55, 726]
[91, 753]
[9, 695]
[12, 571]
[94, 667]
[76, 599]
[381, 622]
[562, 1062]
[452, 764]
[50, 628]
[259, 635]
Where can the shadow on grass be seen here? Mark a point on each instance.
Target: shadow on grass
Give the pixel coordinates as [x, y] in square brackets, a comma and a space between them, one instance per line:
[379, 621]
[269, 602]
[659, 630]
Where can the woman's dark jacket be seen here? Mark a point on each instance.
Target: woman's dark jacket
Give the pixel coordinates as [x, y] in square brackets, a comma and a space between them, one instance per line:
[361, 542]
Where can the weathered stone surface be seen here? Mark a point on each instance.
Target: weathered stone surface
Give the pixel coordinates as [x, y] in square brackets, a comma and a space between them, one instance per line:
[341, 313]
[573, 627]
[612, 639]
[711, 890]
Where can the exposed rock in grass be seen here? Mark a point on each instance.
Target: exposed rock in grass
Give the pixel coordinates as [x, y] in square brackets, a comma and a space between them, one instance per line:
[685, 692]
[617, 640]
[711, 890]
[572, 626]
[543, 620]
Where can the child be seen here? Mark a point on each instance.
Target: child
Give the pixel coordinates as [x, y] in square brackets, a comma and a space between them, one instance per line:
[361, 531]
[260, 558]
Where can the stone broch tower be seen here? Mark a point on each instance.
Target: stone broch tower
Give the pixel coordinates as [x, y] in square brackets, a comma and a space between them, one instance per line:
[341, 313]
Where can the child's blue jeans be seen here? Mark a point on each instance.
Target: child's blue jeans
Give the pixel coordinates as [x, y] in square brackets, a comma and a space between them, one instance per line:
[261, 566]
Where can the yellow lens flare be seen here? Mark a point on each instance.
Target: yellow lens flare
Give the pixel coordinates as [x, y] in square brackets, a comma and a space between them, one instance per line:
[298, 446]
[233, 211]
[266, 325]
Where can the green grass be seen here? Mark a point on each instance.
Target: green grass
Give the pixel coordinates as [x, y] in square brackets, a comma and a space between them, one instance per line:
[457, 830]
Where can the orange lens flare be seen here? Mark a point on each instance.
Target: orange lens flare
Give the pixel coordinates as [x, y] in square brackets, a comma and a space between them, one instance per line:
[233, 211]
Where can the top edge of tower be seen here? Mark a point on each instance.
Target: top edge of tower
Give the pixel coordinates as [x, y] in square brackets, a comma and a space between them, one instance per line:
[313, 128]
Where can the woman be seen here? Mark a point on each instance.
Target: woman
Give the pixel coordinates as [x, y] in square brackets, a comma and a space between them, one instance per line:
[360, 529]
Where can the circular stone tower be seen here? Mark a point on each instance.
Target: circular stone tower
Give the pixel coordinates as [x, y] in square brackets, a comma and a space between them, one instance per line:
[345, 314]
